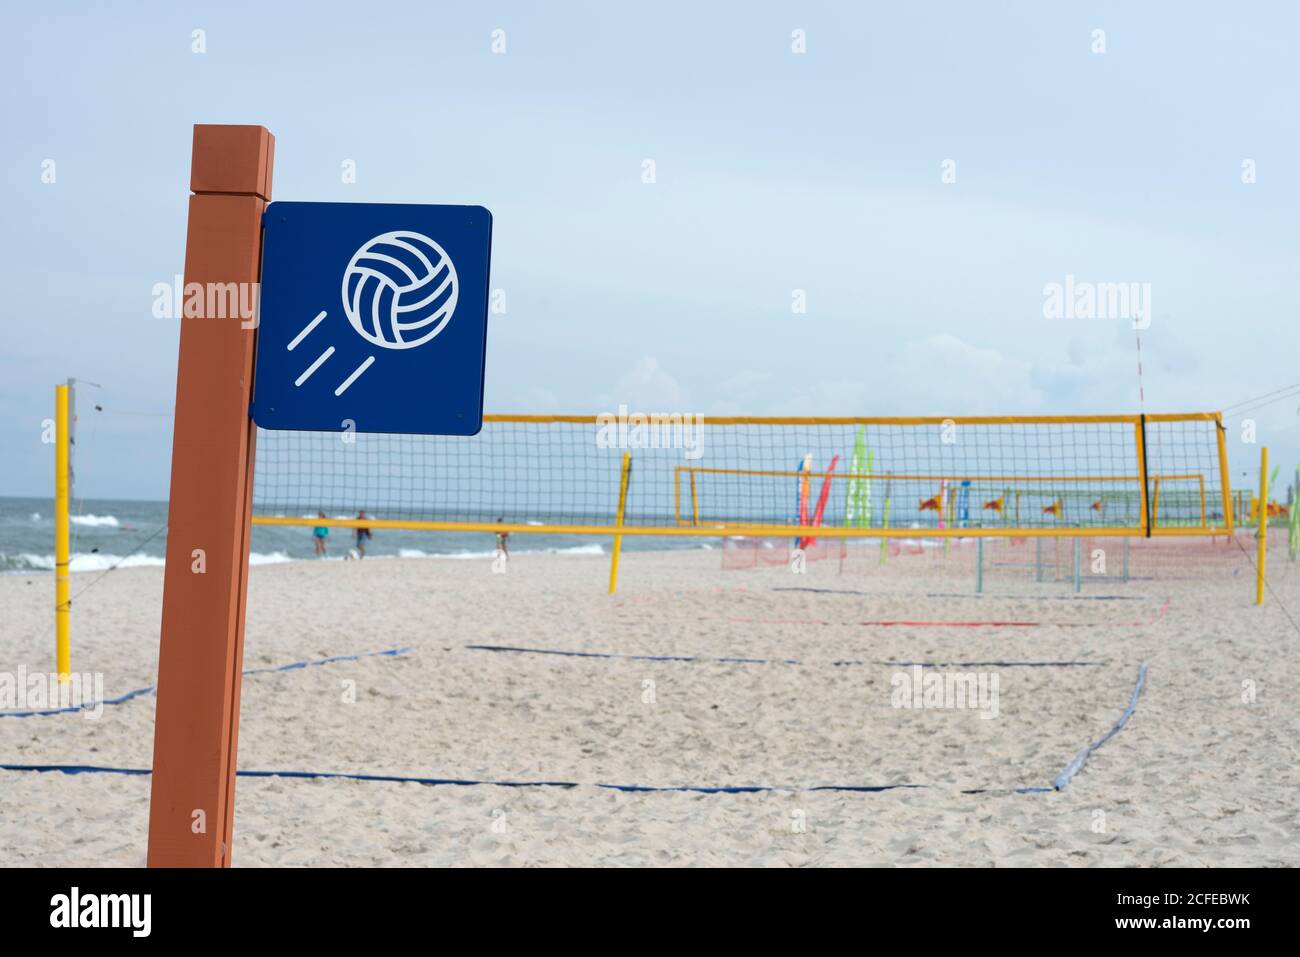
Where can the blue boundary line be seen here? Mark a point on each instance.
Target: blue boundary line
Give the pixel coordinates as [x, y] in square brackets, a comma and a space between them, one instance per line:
[515, 649]
[1075, 766]
[609, 654]
[123, 698]
[993, 664]
[73, 769]
[1061, 782]
[757, 788]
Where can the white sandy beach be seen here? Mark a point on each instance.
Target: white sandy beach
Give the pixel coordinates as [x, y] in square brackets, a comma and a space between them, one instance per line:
[1197, 777]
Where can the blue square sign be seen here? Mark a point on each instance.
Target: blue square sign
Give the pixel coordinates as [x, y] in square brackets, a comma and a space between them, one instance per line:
[373, 318]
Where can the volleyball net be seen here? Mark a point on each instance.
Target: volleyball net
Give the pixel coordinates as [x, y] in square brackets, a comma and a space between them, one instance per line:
[813, 478]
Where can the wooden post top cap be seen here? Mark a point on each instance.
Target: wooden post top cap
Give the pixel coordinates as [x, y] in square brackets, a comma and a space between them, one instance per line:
[232, 159]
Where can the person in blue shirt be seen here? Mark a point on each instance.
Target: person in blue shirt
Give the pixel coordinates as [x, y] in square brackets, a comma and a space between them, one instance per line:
[319, 535]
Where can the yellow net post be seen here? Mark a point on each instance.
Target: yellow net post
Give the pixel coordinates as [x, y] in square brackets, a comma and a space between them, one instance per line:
[618, 521]
[695, 501]
[62, 537]
[1222, 442]
[1262, 546]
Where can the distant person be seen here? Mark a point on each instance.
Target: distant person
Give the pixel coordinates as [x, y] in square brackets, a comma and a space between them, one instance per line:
[319, 535]
[363, 535]
[503, 540]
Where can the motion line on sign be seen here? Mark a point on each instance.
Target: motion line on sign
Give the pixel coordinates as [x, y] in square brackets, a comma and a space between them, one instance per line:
[306, 330]
[314, 366]
[356, 374]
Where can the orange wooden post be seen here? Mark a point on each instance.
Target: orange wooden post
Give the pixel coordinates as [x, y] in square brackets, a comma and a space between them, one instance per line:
[191, 811]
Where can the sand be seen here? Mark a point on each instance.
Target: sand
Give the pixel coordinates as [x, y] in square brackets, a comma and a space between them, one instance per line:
[1199, 776]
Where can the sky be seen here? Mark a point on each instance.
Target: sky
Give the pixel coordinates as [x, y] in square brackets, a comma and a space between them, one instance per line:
[918, 175]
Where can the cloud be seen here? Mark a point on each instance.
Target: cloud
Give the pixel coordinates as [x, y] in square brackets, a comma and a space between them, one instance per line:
[536, 400]
[942, 373]
[647, 387]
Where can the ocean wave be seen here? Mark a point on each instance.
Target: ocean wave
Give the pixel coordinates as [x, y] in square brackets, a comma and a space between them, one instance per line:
[21, 562]
[96, 521]
[81, 562]
[102, 561]
[592, 549]
[257, 558]
[25, 562]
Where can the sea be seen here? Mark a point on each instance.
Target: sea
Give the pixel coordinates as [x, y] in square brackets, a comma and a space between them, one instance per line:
[108, 533]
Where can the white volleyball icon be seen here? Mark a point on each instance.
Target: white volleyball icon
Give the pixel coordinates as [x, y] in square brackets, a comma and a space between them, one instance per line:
[399, 290]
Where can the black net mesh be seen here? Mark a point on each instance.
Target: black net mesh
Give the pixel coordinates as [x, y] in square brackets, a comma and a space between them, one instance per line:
[868, 474]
